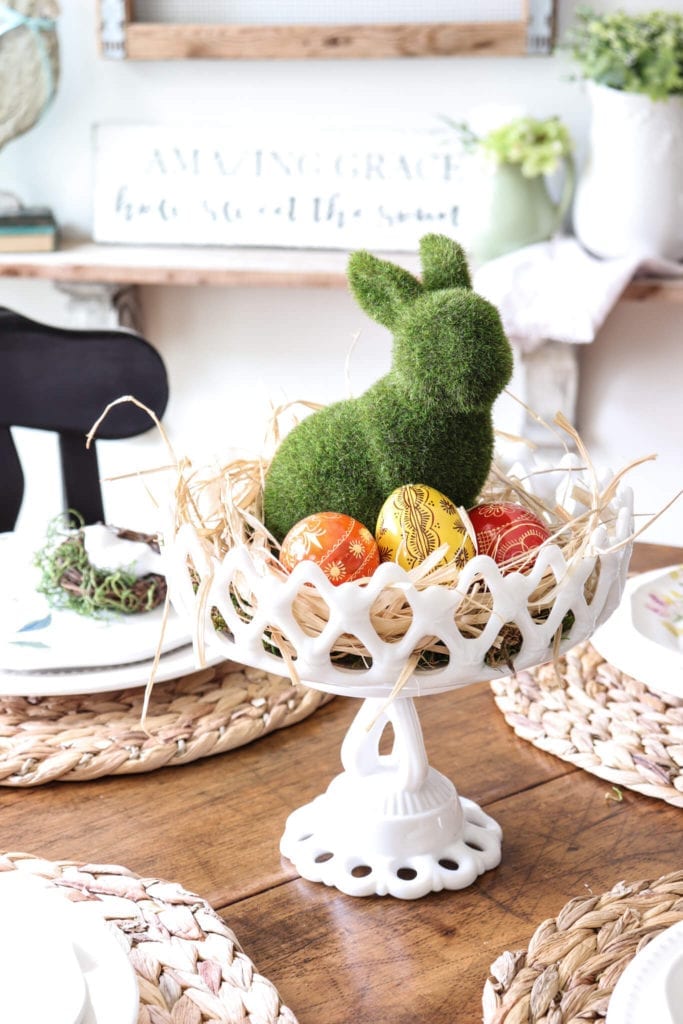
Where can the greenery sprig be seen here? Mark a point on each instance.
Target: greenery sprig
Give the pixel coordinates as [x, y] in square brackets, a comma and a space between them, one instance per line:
[641, 53]
[538, 146]
[68, 580]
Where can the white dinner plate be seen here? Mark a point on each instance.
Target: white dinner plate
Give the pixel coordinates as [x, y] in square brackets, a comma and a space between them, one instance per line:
[61, 961]
[68, 682]
[644, 636]
[650, 990]
[37, 638]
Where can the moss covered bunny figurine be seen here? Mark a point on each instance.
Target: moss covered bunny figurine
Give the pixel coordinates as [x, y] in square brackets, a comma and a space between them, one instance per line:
[427, 421]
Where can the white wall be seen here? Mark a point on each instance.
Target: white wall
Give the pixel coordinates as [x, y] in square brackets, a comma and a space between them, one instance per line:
[231, 351]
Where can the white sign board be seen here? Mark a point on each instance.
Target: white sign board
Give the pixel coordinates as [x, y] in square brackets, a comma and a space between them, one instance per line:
[219, 185]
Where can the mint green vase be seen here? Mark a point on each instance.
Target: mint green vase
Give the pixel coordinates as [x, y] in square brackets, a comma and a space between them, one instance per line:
[501, 210]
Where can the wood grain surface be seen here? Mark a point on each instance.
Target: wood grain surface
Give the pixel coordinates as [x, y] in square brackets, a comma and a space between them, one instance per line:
[214, 826]
[296, 42]
[232, 267]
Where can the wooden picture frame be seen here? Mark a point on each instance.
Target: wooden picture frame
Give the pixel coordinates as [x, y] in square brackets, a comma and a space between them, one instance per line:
[122, 37]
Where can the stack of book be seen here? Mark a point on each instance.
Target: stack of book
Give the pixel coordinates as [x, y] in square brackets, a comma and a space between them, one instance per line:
[29, 229]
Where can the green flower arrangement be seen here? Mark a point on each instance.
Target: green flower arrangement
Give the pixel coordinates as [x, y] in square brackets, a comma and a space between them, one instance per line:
[538, 146]
[640, 53]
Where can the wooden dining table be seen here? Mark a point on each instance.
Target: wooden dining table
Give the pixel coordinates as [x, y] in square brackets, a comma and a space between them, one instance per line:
[214, 826]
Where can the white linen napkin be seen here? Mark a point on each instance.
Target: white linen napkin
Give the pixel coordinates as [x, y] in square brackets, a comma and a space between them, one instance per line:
[556, 291]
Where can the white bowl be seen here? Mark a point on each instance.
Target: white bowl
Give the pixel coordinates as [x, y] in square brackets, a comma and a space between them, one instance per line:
[434, 610]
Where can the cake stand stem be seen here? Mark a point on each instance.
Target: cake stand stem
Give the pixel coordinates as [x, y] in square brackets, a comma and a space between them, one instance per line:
[408, 758]
[389, 823]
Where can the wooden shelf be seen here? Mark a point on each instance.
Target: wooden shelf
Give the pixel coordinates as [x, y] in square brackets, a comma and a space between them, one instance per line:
[669, 289]
[188, 265]
[229, 268]
[294, 42]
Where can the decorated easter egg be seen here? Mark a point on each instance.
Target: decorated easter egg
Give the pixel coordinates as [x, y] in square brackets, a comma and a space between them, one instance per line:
[343, 548]
[414, 521]
[507, 533]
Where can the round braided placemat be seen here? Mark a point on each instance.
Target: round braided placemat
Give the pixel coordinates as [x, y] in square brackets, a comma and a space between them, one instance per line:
[600, 719]
[574, 960]
[189, 965]
[83, 737]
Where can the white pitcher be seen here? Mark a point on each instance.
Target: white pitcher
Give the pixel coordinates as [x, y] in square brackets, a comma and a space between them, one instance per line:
[629, 199]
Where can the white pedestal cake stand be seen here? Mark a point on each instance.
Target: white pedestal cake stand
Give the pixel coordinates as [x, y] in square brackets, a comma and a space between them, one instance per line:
[389, 823]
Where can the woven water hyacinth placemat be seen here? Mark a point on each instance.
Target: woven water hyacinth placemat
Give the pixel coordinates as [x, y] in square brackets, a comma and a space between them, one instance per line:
[189, 965]
[574, 960]
[83, 737]
[590, 713]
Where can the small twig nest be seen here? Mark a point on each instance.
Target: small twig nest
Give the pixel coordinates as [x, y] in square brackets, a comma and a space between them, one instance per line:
[69, 580]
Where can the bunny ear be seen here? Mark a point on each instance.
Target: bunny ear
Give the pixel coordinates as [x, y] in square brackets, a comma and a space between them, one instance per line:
[381, 288]
[444, 264]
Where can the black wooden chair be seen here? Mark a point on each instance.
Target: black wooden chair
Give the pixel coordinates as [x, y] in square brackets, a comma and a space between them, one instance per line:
[61, 380]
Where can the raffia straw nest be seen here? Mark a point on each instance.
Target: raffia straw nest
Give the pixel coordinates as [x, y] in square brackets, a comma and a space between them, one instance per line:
[223, 509]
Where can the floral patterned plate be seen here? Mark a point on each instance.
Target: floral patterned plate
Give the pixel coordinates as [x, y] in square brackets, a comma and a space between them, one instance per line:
[644, 636]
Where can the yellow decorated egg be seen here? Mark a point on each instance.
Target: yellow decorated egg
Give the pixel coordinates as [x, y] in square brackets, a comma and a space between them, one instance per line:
[343, 548]
[414, 521]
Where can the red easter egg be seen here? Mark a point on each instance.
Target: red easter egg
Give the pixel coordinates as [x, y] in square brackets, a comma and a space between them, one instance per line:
[343, 548]
[507, 532]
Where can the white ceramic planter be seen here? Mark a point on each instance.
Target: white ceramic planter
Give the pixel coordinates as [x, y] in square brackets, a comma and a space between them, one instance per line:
[629, 198]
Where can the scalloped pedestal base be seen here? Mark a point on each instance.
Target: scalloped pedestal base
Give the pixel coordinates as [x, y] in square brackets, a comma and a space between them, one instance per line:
[416, 843]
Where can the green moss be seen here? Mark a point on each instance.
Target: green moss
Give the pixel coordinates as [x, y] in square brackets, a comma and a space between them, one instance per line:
[427, 421]
[444, 264]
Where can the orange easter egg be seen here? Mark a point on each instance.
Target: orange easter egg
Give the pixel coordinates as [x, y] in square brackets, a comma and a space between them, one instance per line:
[343, 548]
[507, 533]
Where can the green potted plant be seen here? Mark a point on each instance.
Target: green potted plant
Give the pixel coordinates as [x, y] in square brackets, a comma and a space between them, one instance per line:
[628, 197]
[641, 53]
[506, 204]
